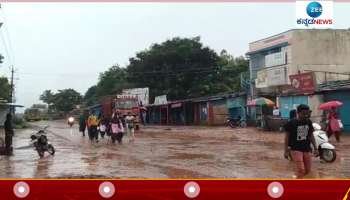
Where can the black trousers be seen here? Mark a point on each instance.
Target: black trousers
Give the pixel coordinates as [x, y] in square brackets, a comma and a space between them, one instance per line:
[93, 133]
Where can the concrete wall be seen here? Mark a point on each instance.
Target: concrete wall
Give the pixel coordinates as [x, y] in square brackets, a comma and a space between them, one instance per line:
[321, 50]
[314, 103]
[220, 112]
[257, 60]
[270, 41]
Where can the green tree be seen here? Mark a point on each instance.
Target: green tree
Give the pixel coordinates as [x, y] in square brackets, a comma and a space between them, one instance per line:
[110, 82]
[228, 79]
[90, 97]
[64, 100]
[179, 68]
[47, 97]
[5, 88]
[113, 81]
[1, 59]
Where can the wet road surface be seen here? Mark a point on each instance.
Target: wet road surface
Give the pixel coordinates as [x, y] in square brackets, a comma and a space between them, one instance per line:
[164, 152]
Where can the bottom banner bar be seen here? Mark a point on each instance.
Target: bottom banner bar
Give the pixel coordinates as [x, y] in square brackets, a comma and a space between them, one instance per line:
[174, 189]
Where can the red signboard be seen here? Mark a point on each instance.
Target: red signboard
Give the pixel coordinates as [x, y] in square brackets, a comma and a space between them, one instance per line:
[303, 83]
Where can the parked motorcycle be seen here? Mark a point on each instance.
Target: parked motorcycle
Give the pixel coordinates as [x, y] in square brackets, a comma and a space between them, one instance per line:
[326, 150]
[236, 122]
[41, 143]
[71, 121]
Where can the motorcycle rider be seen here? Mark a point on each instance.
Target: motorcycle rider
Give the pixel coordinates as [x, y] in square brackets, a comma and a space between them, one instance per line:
[299, 135]
[70, 121]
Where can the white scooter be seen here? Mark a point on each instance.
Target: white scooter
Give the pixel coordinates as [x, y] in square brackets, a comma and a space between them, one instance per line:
[326, 150]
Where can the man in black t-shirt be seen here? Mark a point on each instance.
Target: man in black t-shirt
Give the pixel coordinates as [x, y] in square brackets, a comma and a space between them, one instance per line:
[299, 135]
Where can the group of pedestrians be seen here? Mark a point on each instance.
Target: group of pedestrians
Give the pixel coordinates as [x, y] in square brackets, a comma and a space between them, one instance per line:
[114, 127]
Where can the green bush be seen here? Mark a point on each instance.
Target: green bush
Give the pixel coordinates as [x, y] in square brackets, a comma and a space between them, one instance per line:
[19, 122]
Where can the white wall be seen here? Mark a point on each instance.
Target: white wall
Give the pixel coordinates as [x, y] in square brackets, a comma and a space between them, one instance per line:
[321, 50]
[314, 103]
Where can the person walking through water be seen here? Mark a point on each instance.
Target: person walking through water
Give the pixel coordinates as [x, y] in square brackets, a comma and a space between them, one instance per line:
[8, 134]
[299, 135]
[103, 126]
[143, 113]
[117, 129]
[82, 123]
[130, 126]
[92, 124]
[333, 124]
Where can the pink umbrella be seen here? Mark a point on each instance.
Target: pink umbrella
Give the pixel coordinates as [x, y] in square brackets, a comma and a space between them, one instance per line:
[330, 104]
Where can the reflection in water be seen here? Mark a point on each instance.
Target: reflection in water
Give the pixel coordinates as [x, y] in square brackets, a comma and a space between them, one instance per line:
[91, 160]
[42, 167]
[6, 166]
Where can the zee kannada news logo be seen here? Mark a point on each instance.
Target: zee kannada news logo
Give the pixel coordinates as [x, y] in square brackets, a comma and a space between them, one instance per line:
[314, 10]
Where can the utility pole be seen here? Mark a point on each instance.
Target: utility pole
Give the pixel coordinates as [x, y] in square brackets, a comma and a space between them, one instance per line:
[12, 86]
[12, 108]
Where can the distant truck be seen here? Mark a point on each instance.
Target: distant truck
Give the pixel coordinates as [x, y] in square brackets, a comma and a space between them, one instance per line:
[33, 114]
[123, 104]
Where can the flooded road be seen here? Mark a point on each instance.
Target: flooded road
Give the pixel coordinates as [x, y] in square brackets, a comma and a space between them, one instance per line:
[164, 152]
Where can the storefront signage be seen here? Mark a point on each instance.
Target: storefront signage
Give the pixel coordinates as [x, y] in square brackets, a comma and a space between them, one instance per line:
[303, 83]
[126, 96]
[271, 77]
[159, 100]
[261, 80]
[276, 76]
[176, 105]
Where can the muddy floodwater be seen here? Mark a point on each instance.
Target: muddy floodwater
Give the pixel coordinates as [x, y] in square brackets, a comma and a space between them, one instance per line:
[164, 152]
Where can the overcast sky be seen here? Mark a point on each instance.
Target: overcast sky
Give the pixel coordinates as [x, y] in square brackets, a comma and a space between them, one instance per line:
[50, 44]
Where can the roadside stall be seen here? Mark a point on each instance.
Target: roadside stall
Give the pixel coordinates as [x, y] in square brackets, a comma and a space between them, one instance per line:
[263, 111]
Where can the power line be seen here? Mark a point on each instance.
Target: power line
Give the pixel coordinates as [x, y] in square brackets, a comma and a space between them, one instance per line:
[5, 47]
[7, 34]
[174, 73]
[57, 74]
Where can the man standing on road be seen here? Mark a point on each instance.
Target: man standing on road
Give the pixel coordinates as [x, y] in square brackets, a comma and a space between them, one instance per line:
[299, 135]
[82, 123]
[8, 134]
[130, 126]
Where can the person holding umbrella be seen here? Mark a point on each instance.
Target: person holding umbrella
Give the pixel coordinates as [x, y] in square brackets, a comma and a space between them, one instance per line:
[333, 125]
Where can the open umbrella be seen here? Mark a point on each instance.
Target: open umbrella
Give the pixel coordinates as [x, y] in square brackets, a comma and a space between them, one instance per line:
[262, 101]
[330, 104]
